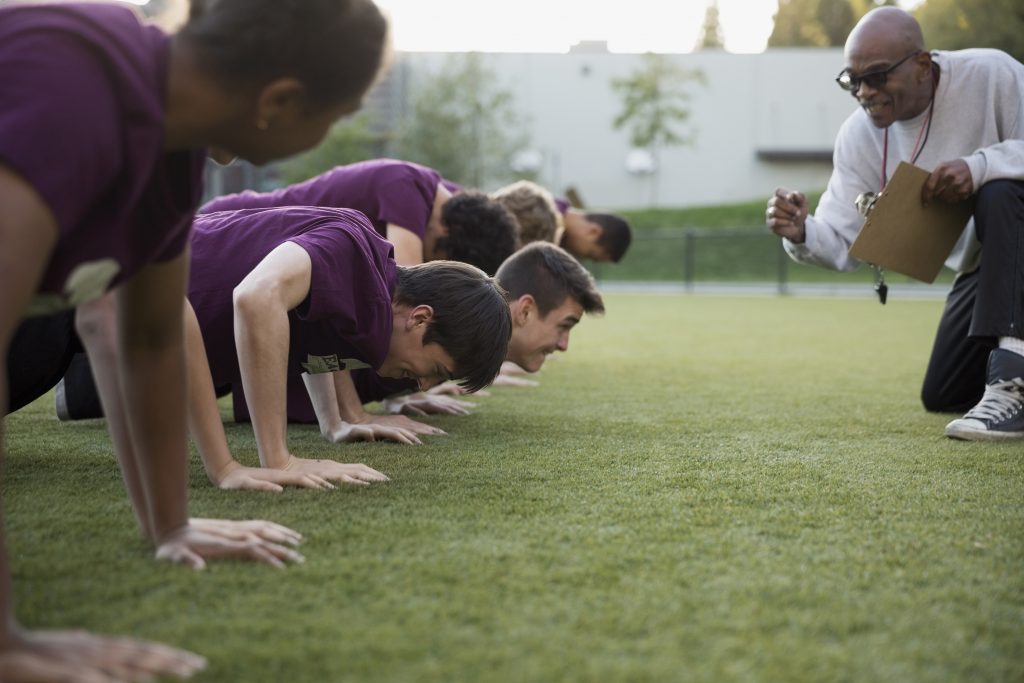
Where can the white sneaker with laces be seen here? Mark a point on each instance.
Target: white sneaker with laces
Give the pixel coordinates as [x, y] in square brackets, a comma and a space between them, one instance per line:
[999, 415]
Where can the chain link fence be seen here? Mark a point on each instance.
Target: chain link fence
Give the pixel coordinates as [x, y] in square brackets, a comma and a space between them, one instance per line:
[693, 258]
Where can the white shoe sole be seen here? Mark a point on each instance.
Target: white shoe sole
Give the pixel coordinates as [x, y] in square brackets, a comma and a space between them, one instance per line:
[968, 433]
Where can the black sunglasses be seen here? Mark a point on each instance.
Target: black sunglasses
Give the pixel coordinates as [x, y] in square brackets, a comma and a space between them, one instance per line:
[874, 79]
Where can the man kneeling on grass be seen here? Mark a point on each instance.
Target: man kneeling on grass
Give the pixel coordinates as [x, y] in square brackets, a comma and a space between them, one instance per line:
[313, 291]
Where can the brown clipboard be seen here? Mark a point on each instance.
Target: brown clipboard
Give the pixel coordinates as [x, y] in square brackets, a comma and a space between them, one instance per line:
[903, 235]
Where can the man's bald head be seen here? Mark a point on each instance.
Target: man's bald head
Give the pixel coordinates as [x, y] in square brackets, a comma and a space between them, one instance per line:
[888, 29]
[890, 73]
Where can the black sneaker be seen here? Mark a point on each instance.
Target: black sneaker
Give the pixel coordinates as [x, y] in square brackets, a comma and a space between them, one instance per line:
[999, 414]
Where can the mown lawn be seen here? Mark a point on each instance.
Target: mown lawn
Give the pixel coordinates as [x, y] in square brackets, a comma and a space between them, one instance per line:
[703, 489]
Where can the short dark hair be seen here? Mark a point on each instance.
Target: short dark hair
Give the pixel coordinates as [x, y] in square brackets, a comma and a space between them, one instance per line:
[471, 316]
[335, 48]
[481, 232]
[616, 234]
[549, 274]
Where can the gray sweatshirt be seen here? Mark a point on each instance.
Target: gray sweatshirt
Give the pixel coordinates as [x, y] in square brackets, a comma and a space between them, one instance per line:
[978, 116]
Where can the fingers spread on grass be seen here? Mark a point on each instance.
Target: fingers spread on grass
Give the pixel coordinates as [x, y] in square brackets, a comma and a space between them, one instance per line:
[244, 529]
[195, 543]
[361, 471]
[407, 423]
[400, 435]
[331, 471]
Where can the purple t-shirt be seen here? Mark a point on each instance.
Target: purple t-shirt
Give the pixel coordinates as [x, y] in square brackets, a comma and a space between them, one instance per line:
[386, 190]
[82, 91]
[344, 322]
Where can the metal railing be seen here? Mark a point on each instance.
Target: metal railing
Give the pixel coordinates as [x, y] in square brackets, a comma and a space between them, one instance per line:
[689, 252]
[740, 260]
[690, 240]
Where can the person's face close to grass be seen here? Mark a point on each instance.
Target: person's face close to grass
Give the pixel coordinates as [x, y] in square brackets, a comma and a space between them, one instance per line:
[409, 358]
[582, 239]
[536, 336]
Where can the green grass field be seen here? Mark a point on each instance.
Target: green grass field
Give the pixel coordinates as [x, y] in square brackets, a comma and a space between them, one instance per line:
[703, 489]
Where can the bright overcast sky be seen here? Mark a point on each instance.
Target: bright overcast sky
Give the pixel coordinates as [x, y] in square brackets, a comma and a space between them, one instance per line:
[555, 25]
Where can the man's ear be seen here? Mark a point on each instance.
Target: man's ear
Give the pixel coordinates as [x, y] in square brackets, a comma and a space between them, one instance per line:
[281, 100]
[522, 308]
[419, 316]
[924, 66]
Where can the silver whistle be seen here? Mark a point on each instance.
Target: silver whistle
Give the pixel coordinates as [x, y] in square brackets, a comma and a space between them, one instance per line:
[865, 202]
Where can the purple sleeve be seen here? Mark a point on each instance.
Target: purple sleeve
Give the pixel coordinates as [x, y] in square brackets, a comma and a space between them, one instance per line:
[350, 287]
[407, 200]
[63, 136]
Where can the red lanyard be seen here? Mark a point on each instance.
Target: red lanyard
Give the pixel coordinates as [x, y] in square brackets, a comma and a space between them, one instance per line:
[918, 144]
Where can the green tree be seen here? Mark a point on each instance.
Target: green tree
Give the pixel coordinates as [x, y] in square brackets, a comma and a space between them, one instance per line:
[711, 31]
[463, 124]
[795, 25]
[836, 20]
[347, 142]
[655, 102]
[957, 24]
[818, 23]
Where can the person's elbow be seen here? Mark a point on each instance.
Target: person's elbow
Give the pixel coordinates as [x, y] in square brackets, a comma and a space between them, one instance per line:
[96, 321]
[249, 301]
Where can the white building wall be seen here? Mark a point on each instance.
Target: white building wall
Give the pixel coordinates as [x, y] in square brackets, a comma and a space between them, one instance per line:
[781, 101]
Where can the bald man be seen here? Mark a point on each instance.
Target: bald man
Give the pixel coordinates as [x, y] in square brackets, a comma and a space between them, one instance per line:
[959, 115]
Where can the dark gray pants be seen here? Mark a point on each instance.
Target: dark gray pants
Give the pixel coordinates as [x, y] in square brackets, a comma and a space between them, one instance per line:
[983, 305]
[40, 352]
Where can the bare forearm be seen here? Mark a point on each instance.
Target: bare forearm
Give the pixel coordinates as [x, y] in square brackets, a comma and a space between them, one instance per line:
[204, 422]
[324, 398]
[261, 338]
[350, 406]
[154, 397]
[97, 328]
[151, 364]
[261, 303]
[28, 233]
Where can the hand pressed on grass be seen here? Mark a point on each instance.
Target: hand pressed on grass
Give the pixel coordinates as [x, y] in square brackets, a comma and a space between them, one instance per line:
[32, 656]
[236, 476]
[203, 539]
[348, 433]
[358, 473]
[426, 404]
[402, 422]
